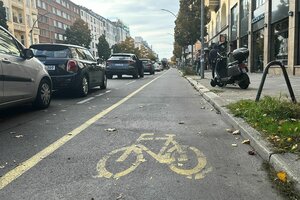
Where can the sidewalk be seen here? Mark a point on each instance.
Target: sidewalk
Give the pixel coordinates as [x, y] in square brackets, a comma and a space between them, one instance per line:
[274, 86]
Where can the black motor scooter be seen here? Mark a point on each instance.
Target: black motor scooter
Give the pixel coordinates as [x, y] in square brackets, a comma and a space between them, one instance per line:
[234, 72]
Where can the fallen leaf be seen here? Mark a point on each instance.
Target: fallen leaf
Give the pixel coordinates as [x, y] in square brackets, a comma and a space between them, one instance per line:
[264, 115]
[111, 130]
[180, 164]
[182, 122]
[234, 145]
[289, 139]
[119, 197]
[19, 136]
[252, 153]
[237, 132]
[229, 130]
[63, 111]
[203, 107]
[13, 132]
[1, 166]
[246, 142]
[282, 176]
[294, 147]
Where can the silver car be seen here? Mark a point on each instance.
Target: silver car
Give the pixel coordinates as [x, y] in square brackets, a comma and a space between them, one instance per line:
[23, 79]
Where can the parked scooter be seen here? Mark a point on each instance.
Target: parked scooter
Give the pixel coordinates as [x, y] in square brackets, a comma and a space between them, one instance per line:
[234, 72]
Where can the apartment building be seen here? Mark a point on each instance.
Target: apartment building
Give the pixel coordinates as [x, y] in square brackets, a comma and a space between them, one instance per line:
[269, 28]
[121, 31]
[21, 15]
[54, 17]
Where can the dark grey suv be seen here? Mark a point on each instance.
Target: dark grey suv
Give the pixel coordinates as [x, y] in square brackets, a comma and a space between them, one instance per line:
[124, 64]
[71, 67]
[23, 79]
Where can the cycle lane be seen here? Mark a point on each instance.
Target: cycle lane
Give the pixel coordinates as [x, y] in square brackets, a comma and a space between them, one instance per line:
[71, 171]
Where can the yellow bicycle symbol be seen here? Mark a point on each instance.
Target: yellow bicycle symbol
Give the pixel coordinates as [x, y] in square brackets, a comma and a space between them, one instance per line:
[172, 154]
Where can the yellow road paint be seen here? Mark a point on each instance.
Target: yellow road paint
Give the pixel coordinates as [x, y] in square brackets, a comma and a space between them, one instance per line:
[31, 162]
[167, 155]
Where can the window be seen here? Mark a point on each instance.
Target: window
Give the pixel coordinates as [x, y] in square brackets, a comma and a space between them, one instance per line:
[23, 39]
[7, 44]
[44, 5]
[29, 22]
[81, 13]
[80, 54]
[279, 46]
[33, 4]
[245, 8]
[54, 10]
[258, 54]
[20, 18]
[28, 3]
[88, 54]
[258, 3]
[234, 23]
[58, 12]
[7, 14]
[39, 4]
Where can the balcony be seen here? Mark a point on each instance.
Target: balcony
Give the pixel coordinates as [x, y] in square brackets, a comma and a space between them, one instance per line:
[19, 27]
[17, 4]
[213, 4]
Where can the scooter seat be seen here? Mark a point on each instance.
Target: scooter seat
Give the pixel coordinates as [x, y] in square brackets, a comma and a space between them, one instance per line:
[233, 63]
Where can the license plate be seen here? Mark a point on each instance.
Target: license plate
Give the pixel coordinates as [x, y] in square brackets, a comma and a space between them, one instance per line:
[50, 67]
[119, 65]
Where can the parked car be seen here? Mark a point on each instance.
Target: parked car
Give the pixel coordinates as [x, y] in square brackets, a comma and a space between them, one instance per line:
[23, 79]
[157, 67]
[124, 64]
[148, 65]
[71, 67]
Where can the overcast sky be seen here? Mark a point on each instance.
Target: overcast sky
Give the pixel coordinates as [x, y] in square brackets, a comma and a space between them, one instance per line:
[144, 18]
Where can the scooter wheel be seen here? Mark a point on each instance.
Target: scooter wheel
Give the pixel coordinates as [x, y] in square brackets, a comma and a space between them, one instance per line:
[221, 84]
[213, 83]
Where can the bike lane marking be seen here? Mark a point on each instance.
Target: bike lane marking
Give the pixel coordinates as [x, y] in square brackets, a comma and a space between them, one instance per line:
[23, 167]
[165, 156]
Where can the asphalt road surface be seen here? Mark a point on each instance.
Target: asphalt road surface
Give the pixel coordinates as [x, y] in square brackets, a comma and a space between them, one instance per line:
[151, 138]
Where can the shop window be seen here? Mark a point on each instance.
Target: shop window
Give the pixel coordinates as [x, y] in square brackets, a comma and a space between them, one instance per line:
[258, 54]
[245, 8]
[279, 44]
[233, 28]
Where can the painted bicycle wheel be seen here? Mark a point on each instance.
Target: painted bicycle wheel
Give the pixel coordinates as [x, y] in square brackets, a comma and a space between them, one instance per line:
[120, 162]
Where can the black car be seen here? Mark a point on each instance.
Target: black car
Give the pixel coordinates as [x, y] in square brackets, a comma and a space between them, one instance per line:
[148, 65]
[124, 64]
[71, 67]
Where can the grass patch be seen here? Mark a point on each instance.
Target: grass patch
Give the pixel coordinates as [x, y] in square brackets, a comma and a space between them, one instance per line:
[188, 71]
[286, 189]
[277, 119]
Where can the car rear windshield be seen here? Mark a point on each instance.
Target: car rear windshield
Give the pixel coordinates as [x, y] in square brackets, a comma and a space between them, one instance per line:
[51, 51]
[121, 57]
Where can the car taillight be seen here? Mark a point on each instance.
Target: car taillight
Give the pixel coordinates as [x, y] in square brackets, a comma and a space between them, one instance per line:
[72, 66]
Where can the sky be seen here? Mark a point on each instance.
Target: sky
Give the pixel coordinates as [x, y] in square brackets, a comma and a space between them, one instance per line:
[144, 18]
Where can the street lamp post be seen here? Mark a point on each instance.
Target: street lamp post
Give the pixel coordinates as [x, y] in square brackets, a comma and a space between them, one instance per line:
[31, 31]
[169, 12]
[202, 40]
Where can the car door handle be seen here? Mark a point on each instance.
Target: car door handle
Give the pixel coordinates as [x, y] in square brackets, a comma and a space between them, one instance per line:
[5, 60]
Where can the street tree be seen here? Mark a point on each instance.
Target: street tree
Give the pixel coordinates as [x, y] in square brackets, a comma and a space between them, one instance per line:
[3, 20]
[126, 46]
[187, 25]
[103, 48]
[177, 52]
[78, 34]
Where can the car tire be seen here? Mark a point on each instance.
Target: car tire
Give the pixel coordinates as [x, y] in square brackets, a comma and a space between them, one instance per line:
[104, 82]
[109, 76]
[44, 94]
[83, 89]
[119, 76]
[142, 73]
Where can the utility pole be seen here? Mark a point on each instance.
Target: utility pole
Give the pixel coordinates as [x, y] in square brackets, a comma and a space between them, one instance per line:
[31, 31]
[202, 41]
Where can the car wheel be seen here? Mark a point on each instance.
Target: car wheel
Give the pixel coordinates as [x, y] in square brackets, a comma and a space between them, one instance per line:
[104, 82]
[83, 89]
[44, 94]
[109, 76]
[120, 76]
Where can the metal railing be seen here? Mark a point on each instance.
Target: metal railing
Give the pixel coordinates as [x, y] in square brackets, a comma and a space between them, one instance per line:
[286, 77]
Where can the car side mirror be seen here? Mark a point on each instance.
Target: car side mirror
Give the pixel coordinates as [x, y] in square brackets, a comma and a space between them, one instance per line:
[28, 54]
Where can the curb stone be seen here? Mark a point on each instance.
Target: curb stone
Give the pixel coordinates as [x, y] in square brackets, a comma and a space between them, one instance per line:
[287, 163]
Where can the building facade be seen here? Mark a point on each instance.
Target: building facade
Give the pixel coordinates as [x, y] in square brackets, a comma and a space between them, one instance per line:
[269, 28]
[54, 17]
[21, 15]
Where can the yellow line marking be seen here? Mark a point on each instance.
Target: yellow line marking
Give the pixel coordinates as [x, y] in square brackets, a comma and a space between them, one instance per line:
[31, 162]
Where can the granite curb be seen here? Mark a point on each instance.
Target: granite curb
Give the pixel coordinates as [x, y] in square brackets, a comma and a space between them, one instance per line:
[281, 162]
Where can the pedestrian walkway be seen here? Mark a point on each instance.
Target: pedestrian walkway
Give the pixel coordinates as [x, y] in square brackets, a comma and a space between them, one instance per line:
[274, 86]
